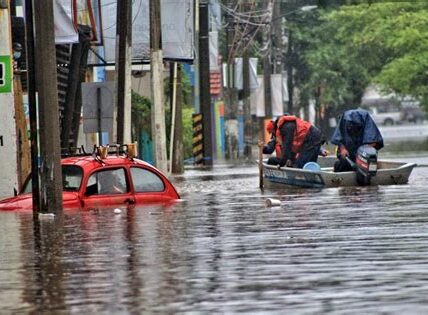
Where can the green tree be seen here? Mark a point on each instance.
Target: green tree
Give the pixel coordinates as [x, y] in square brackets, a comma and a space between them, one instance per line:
[383, 43]
[141, 115]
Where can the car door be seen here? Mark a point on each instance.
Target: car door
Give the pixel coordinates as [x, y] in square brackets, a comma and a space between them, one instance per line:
[148, 186]
[108, 187]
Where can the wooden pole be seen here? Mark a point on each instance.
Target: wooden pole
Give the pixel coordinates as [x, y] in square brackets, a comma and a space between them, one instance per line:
[46, 73]
[31, 91]
[158, 109]
[177, 157]
[174, 98]
[247, 106]
[260, 144]
[123, 71]
[267, 71]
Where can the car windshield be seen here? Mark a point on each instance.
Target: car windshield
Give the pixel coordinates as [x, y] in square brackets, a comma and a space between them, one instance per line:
[71, 179]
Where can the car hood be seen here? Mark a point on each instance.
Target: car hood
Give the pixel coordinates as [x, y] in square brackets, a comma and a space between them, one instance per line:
[25, 201]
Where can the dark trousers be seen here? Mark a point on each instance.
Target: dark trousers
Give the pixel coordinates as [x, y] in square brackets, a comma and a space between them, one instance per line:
[310, 155]
[342, 165]
[273, 160]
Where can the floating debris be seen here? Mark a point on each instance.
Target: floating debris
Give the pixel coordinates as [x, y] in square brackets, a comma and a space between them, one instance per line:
[270, 202]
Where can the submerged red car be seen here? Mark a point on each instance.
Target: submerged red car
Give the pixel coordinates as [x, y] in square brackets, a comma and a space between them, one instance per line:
[91, 181]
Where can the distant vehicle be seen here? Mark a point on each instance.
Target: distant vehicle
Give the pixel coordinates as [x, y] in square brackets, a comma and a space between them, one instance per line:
[386, 115]
[412, 114]
[102, 179]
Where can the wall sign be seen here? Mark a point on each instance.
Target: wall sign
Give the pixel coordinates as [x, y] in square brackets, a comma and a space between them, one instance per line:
[5, 74]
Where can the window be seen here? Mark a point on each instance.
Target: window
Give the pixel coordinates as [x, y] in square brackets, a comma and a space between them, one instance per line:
[107, 182]
[71, 179]
[146, 181]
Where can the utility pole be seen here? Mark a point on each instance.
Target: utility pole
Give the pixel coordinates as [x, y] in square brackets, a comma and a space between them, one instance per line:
[277, 45]
[231, 108]
[277, 33]
[158, 109]
[123, 72]
[290, 80]
[176, 138]
[31, 91]
[267, 70]
[46, 73]
[196, 98]
[204, 80]
[247, 105]
[8, 146]
[267, 93]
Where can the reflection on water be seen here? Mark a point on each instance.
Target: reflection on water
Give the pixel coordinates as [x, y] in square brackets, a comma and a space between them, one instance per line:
[338, 250]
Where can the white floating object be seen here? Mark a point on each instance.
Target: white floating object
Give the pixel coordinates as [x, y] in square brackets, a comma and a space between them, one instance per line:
[46, 216]
[117, 211]
[270, 202]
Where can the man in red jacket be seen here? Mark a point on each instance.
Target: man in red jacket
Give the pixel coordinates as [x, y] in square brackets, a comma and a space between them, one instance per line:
[300, 141]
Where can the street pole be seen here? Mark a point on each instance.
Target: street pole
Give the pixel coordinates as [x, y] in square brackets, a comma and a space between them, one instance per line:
[277, 38]
[32, 104]
[247, 105]
[46, 73]
[267, 94]
[277, 44]
[267, 70]
[158, 109]
[196, 98]
[123, 72]
[290, 81]
[177, 155]
[204, 80]
[8, 146]
[173, 91]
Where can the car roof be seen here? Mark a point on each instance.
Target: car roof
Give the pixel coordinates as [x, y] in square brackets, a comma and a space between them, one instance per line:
[90, 162]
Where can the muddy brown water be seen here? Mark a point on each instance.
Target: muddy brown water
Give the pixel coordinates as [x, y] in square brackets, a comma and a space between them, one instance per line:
[335, 251]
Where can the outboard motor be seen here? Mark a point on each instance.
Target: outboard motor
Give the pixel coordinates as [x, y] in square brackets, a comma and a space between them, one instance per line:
[366, 164]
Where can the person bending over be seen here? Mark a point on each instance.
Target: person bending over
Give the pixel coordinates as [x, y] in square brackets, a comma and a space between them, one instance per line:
[355, 128]
[300, 141]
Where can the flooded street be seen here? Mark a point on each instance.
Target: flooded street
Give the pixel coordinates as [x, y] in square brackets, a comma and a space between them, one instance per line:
[335, 251]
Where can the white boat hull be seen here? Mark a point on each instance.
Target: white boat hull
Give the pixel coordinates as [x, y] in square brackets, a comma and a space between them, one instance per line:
[389, 173]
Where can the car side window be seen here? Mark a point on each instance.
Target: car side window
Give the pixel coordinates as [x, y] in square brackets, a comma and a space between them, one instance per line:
[107, 182]
[146, 181]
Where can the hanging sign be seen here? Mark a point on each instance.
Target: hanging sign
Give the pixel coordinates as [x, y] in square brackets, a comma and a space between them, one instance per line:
[5, 74]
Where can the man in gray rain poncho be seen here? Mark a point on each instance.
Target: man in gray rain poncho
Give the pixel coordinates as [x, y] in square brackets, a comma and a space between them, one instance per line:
[356, 128]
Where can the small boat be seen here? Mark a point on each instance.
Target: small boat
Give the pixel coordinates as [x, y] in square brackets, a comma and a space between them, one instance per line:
[388, 173]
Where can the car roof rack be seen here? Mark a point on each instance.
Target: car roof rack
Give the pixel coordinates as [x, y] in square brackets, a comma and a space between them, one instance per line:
[74, 151]
[101, 152]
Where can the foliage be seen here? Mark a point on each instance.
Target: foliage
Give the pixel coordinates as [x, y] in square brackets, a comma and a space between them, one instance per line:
[141, 116]
[384, 43]
[187, 132]
[187, 110]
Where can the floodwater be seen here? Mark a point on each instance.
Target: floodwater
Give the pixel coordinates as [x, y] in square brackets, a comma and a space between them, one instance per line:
[340, 250]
